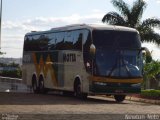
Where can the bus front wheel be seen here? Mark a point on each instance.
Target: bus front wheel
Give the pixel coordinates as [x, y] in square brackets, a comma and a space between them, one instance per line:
[78, 91]
[119, 98]
[34, 86]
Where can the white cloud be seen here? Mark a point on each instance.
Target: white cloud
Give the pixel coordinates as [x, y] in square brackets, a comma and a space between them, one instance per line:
[13, 31]
[131, 1]
[154, 49]
[59, 21]
[158, 1]
[11, 25]
[41, 23]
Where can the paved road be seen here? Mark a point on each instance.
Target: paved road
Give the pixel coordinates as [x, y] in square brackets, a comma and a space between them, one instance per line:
[53, 106]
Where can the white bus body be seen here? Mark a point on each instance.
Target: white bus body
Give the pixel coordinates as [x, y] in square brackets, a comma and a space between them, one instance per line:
[63, 59]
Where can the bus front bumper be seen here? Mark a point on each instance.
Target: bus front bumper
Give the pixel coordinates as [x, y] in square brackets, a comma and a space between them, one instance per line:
[114, 88]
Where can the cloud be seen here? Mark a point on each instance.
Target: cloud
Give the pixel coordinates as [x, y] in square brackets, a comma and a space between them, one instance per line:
[40, 23]
[14, 31]
[12, 25]
[131, 1]
[154, 49]
[59, 21]
[158, 1]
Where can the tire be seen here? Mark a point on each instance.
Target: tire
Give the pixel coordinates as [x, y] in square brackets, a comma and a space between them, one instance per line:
[78, 91]
[119, 98]
[34, 86]
[41, 85]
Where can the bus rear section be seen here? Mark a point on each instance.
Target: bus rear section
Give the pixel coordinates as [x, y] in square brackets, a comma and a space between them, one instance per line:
[53, 60]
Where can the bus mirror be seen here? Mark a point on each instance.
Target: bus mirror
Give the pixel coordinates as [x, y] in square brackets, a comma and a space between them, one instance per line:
[92, 50]
[147, 54]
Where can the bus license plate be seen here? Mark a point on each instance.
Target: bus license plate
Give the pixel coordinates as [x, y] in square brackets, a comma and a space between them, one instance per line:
[119, 91]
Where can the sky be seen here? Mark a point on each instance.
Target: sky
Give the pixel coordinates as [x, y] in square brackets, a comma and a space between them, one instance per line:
[22, 16]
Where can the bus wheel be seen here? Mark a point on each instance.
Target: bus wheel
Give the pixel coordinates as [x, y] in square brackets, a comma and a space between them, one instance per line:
[78, 92]
[34, 86]
[119, 98]
[41, 85]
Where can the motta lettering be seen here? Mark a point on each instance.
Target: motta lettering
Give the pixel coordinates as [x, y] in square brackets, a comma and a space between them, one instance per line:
[69, 57]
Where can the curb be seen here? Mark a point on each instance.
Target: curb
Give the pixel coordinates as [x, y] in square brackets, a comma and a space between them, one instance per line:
[131, 98]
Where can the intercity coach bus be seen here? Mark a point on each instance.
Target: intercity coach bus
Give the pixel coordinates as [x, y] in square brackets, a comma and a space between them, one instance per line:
[85, 60]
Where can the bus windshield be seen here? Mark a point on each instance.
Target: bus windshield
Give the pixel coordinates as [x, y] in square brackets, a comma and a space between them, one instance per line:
[117, 54]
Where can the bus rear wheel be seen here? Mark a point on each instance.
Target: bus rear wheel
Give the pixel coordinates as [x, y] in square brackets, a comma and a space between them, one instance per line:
[42, 89]
[119, 98]
[34, 86]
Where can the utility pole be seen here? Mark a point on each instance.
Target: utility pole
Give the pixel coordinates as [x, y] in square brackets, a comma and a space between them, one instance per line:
[0, 24]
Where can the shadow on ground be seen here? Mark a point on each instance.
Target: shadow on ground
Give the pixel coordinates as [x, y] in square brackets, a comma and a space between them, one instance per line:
[49, 99]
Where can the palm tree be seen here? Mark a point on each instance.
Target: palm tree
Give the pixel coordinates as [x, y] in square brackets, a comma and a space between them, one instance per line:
[131, 17]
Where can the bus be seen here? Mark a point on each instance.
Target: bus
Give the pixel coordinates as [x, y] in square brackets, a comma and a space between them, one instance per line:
[85, 60]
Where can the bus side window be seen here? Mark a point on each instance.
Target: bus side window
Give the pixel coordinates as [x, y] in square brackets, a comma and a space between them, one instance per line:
[26, 43]
[77, 40]
[52, 41]
[43, 41]
[60, 41]
[36, 43]
[68, 41]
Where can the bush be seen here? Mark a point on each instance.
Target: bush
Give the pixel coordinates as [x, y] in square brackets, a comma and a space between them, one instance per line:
[153, 94]
[11, 73]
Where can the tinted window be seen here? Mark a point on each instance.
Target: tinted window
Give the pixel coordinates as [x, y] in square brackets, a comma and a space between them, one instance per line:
[36, 43]
[59, 40]
[116, 39]
[77, 41]
[55, 41]
[70, 40]
[52, 42]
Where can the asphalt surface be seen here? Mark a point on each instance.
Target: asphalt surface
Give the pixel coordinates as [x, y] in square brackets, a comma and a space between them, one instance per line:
[29, 106]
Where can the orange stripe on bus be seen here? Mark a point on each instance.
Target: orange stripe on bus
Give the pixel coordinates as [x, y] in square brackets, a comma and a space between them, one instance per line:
[113, 80]
[45, 68]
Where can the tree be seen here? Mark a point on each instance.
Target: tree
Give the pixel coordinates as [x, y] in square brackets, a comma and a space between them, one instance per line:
[131, 17]
[151, 70]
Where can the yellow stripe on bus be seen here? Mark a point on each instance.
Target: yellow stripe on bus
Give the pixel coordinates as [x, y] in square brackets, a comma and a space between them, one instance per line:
[113, 80]
[45, 67]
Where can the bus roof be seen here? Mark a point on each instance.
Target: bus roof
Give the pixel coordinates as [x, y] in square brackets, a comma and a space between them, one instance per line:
[87, 26]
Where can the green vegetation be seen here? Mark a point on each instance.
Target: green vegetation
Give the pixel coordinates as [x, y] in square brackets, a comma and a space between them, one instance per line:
[151, 70]
[13, 70]
[11, 73]
[152, 94]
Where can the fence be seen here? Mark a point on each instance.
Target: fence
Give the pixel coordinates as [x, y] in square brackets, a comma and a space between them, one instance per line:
[8, 84]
